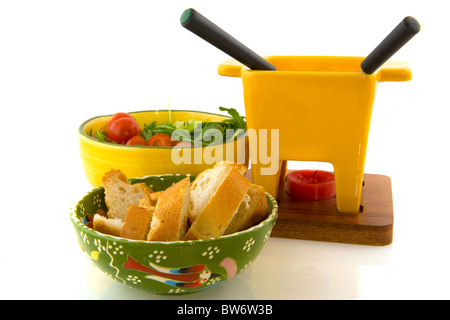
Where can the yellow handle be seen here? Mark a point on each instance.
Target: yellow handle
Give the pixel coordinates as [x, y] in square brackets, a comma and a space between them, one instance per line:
[390, 71]
[230, 68]
[394, 71]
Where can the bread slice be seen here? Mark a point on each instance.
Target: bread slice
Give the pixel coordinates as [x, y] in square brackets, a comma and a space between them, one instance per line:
[206, 184]
[137, 223]
[149, 200]
[169, 222]
[252, 210]
[154, 197]
[242, 168]
[221, 206]
[108, 226]
[119, 194]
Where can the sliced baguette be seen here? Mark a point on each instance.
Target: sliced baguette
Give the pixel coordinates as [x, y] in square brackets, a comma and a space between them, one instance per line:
[221, 206]
[206, 184]
[169, 222]
[242, 168]
[107, 226]
[252, 210]
[154, 197]
[119, 194]
[137, 223]
[149, 200]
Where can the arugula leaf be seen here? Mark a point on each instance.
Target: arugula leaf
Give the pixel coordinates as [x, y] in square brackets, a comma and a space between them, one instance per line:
[191, 125]
[166, 128]
[237, 121]
[211, 132]
[147, 131]
[101, 137]
[181, 135]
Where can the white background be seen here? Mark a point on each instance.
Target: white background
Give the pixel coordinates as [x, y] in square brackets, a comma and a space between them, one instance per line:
[62, 62]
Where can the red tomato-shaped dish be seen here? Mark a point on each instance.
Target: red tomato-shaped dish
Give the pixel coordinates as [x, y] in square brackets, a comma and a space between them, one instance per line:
[310, 185]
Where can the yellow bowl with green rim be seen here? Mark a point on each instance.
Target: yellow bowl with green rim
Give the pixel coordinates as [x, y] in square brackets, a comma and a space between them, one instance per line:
[138, 161]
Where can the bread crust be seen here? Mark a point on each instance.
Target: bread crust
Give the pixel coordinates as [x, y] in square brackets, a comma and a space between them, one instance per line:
[250, 212]
[149, 201]
[137, 223]
[169, 220]
[242, 168]
[108, 226]
[220, 209]
[119, 194]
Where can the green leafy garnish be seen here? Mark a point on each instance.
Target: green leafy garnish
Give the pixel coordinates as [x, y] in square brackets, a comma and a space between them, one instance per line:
[101, 137]
[237, 121]
[197, 132]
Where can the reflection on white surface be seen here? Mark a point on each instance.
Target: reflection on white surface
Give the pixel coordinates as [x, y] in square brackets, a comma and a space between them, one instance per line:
[306, 270]
[286, 269]
[307, 280]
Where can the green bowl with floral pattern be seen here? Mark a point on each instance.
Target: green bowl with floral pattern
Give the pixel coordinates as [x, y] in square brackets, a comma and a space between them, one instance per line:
[177, 267]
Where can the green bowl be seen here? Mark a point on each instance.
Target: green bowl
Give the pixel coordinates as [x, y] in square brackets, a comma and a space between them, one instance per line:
[177, 267]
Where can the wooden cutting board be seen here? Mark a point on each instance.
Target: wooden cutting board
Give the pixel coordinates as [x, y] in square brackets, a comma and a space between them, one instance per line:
[319, 220]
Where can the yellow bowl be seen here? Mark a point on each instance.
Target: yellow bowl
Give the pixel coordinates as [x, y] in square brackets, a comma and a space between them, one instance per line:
[138, 161]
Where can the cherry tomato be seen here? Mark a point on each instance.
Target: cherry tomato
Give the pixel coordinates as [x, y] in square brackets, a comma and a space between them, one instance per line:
[123, 130]
[136, 141]
[116, 116]
[160, 140]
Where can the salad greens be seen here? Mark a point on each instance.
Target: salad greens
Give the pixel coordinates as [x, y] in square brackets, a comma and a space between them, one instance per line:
[198, 133]
[201, 133]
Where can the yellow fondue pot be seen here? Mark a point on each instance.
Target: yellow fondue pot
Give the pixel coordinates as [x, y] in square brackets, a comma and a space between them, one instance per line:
[321, 107]
[316, 108]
